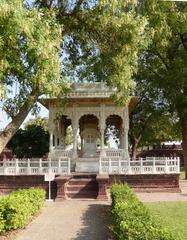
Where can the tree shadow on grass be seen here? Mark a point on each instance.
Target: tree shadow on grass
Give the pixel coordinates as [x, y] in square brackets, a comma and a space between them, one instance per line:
[96, 221]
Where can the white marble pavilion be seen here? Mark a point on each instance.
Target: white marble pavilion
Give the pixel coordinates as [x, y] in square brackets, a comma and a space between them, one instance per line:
[89, 111]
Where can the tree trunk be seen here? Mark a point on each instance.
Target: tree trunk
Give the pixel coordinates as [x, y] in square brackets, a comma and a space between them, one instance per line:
[14, 125]
[183, 122]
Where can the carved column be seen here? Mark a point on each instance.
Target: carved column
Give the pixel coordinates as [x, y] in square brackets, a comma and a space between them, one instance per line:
[62, 134]
[51, 141]
[81, 145]
[102, 138]
[51, 128]
[75, 125]
[125, 135]
[102, 128]
[75, 131]
[55, 141]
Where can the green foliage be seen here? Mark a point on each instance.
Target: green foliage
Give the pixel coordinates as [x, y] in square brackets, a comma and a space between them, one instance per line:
[163, 63]
[102, 40]
[132, 220]
[17, 209]
[161, 77]
[29, 55]
[33, 141]
[162, 128]
[69, 136]
[38, 121]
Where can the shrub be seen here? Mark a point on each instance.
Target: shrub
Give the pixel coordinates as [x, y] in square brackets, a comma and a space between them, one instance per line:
[132, 220]
[17, 208]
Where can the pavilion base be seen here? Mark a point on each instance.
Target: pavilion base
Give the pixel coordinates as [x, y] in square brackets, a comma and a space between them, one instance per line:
[98, 184]
[149, 182]
[87, 166]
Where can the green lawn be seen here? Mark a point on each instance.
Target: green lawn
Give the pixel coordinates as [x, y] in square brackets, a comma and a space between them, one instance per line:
[173, 215]
[182, 173]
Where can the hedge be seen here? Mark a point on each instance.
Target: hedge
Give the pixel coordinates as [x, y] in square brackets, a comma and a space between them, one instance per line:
[131, 220]
[18, 207]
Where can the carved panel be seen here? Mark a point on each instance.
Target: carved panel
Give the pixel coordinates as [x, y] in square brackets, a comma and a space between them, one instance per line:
[114, 111]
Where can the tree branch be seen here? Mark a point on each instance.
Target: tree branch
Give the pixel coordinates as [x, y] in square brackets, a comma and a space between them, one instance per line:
[161, 58]
[78, 6]
[46, 3]
[183, 38]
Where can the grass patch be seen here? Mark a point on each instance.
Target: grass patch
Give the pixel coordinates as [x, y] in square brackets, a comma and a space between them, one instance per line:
[173, 215]
[182, 174]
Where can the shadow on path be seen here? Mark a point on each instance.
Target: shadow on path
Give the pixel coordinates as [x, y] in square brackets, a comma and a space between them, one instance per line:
[96, 221]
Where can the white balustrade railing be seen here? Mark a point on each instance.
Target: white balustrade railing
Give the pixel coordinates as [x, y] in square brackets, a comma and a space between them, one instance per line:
[109, 165]
[141, 166]
[58, 152]
[113, 152]
[35, 166]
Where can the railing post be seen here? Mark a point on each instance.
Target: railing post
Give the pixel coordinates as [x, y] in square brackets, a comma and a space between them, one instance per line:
[178, 164]
[49, 165]
[129, 166]
[16, 166]
[69, 166]
[166, 165]
[40, 166]
[5, 166]
[119, 170]
[28, 166]
[154, 166]
[109, 167]
[141, 166]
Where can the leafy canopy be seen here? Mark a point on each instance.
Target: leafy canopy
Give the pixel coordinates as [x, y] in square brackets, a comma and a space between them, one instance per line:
[165, 61]
[102, 40]
[29, 54]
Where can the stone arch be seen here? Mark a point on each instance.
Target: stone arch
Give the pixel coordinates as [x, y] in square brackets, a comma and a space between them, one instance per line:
[62, 123]
[114, 129]
[81, 115]
[115, 112]
[89, 133]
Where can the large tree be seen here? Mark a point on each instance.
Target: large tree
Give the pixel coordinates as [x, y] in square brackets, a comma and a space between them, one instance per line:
[29, 60]
[150, 121]
[164, 62]
[101, 41]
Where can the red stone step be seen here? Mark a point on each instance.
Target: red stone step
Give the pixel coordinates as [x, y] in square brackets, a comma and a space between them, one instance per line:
[84, 186]
[79, 188]
[82, 194]
[82, 181]
[86, 175]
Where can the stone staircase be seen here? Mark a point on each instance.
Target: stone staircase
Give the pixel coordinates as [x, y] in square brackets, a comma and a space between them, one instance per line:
[82, 186]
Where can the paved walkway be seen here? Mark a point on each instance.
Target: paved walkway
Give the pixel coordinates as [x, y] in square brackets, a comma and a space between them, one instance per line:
[83, 220]
[70, 220]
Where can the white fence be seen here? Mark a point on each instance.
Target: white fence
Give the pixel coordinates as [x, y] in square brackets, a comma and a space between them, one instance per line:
[113, 152]
[107, 165]
[140, 166]
[34, 166]
[58, 152]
